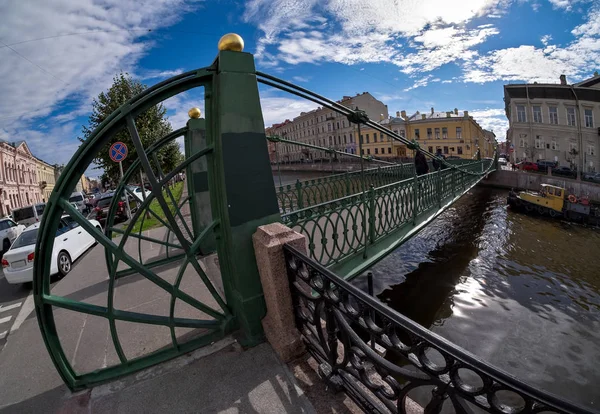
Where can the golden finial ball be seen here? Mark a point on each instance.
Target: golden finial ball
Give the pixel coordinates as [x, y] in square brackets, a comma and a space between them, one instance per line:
[231, 41]
[194, 113]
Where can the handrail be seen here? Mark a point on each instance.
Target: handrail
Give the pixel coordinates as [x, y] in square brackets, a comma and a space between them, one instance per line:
[334, 318]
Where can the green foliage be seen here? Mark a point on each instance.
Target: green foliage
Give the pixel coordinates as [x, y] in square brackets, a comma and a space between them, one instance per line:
[151, 125]
[150, 222]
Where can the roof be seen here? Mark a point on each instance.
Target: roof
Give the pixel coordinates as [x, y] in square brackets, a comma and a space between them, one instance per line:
[594, 80]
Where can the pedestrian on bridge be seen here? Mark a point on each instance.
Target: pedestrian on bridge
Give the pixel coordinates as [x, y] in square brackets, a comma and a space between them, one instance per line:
[421, 165]
[438, 164]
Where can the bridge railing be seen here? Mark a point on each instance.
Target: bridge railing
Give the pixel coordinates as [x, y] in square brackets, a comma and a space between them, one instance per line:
[341, 228]
[312, 192]
[381, 358]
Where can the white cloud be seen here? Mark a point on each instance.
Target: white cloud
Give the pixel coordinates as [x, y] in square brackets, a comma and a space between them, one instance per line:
[492, 119]
[301, 78]
[277, 109]
[71, 67]
[158, 74]
[422, 82]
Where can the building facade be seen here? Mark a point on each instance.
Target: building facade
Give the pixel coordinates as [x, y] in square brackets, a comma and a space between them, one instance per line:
[18, 177]
[325, 128]
[46, 177]
[555, 122]
[454, 133]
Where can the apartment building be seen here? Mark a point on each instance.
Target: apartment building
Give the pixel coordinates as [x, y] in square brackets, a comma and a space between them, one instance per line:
[555, 122]
[454, 133]
[323, 127]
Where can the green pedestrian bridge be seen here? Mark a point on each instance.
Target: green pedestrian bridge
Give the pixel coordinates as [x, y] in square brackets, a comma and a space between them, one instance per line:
[350, 221]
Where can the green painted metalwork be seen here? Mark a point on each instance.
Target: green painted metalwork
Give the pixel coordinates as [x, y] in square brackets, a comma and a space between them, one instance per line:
[230, 157]
[348, 229]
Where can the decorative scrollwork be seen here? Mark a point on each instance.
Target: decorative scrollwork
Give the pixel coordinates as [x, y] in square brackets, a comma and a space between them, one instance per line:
[381, 358]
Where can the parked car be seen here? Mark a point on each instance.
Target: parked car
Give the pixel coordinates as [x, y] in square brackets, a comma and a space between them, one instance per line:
[527, 166]
[137, 192]
[29, 215]
[564, 171]
[101, 210]
[502, 161]
[78, 199]
[9, 231]
[70, 243]
[594, 177]
[544, 165]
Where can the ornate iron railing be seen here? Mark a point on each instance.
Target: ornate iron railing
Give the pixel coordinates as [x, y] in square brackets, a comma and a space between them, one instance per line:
[312, 192]
[382, 359]
[339, 229]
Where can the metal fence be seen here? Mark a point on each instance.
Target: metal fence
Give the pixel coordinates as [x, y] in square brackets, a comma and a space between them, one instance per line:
[382, 359]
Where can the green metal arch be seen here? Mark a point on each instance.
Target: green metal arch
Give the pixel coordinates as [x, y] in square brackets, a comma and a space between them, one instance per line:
[58, 202]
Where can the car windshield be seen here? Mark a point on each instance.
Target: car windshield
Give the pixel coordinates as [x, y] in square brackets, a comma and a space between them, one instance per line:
[105, 202]
[27, 238]
[40, 209]
[76, 198]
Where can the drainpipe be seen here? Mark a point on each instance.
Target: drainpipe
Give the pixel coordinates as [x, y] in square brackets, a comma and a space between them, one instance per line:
[579, 134]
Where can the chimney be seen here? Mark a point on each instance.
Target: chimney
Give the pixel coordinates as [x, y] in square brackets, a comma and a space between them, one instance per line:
[397, 114]
[455, 111]
[423, 116]
[432, 110]
[596, 73]
[448, 114]
[467, 114]
[403, 114]
[563, 80]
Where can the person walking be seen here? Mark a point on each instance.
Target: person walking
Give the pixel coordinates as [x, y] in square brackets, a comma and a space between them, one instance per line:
[438, 164]
[421, 165]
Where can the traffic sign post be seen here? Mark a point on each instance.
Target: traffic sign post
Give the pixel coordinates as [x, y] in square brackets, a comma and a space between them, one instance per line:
[118, 152]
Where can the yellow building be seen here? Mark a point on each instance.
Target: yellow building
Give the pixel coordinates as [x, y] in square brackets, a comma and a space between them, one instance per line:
[46, 178]
[455, 133]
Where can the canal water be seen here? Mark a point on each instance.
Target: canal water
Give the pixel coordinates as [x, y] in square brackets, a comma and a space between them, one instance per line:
[521, 292]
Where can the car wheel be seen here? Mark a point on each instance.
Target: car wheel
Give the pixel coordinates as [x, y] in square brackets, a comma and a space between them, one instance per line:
[64, 263]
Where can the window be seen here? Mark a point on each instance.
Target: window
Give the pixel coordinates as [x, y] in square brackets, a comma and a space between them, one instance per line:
[445, 150]
[554, 144]
[589, 119]
[459, 132]
[389, 150]
[522, 143]
[376, 150]
[338, 125]
[345, 139]
[571, 116]
[430, 149]
[553, 114]
[362, 152]
[537, 114]
[437, 133]
[521, 114]
[417, 135]
[328, 126]
[367, 135]
[368, 151]
[444, 132]
[459, 149]
[382, 150]
[591, 150]
[429, 133]
[361, 139]
[539, 142]
[374, 136]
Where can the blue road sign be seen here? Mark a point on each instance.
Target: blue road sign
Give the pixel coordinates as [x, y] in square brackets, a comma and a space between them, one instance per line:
[118, 151]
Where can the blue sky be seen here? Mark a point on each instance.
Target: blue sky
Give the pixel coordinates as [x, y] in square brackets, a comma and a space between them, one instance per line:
[57, 55]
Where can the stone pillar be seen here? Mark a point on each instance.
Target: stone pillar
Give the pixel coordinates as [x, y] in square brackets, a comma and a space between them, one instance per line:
[278, 324]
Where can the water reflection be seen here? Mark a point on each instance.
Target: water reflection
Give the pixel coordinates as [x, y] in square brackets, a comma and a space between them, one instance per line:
[519, 291]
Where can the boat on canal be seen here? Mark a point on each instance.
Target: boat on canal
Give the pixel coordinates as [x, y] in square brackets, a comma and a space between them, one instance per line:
[554, 201]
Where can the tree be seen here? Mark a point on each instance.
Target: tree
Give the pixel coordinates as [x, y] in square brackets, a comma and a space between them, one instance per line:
[152, 125]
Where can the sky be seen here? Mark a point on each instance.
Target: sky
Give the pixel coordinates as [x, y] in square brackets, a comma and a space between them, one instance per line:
[57, 55]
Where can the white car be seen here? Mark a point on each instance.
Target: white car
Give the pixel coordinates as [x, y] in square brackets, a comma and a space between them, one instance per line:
[139, 195]
[70, 243]
[9, 231]
[502, 161]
